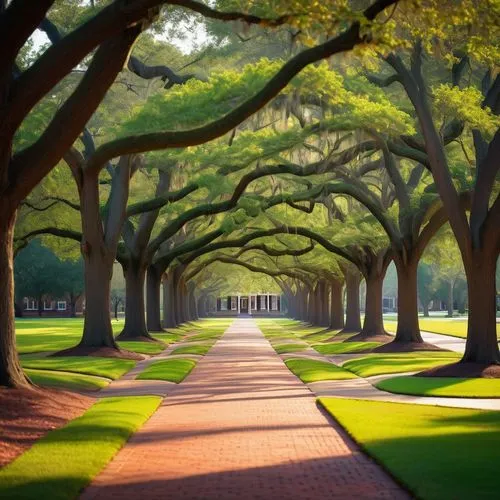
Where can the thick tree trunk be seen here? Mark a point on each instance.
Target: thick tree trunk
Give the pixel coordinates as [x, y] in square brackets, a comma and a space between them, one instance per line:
[408, 328]
[99, 256]
[325, 309]
[202, 306]
[336, 306]
[97, 329]
[11, 373]
[311, 307]
[153, 283]
[185, 302]
[373, 323]
[179, 294]
[290, 313]
[135, 315]
[169, 314]
[294, 311]
[191, 302]
[353, 315]
[450, 298]
[317, 305]
[482, 344]
[316, 311]
[299, 304]
[302, 303]
[321, 316]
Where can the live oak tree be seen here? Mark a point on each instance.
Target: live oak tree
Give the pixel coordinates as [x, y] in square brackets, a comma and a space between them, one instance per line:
[478, 235]
[113, 29]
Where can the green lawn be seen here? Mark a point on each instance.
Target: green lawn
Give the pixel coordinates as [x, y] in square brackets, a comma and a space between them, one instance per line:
[443, 386]
[279, 335]
[67, 380]
[319, 336]
[200, 349]
[62, 463]
[453, 327]
[286, 348]
[302, 331]
[438, 453]
[150, 348]
[55, 334]
[168, 337]
[171, 370]
[209, 335]
[310, 370]
[51, 334]
[112, 368]
[345, 347]
[380, 364]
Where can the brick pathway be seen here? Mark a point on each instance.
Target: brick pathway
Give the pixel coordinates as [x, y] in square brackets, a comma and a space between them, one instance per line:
[241, 426]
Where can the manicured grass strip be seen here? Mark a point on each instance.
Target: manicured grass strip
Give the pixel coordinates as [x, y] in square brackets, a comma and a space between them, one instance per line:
[443, 386]
[112, 368]
[171, 370]
[286, 348]
[167, 338]
[200, 349]
[66, 380]
[143, 347]
[301, 331]
[43, 342]
[204, 336]
[437, 452]
[281, 334]
[345, 347]
[62, 463]
[310, 370]
[318, 336]
[381, 364]
[452, 327]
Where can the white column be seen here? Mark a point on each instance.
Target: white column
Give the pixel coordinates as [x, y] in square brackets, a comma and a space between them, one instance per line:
[239, 298]
[249, 304]
[268, 305]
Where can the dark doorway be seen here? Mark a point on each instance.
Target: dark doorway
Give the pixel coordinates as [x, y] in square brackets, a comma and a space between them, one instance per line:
[244, 305]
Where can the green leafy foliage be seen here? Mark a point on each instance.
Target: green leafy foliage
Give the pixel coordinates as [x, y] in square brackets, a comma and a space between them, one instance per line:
[466, 105]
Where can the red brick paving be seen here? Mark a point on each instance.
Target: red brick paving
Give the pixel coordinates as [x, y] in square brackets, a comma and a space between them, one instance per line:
[241, 426]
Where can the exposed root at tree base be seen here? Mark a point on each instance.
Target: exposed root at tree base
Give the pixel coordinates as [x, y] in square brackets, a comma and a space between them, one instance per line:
[100, 352]
[463, 370]
[366, 337]
[407, 347]
[27, 414]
